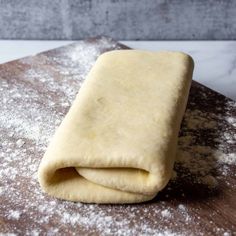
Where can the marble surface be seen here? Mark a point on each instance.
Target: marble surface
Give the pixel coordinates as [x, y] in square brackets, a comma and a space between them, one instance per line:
[120, 19]
[215, 61]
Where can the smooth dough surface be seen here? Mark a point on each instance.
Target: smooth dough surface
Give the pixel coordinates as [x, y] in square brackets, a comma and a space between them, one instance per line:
[117, 144]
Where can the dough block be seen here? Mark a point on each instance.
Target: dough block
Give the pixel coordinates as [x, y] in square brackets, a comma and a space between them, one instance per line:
[117, 143]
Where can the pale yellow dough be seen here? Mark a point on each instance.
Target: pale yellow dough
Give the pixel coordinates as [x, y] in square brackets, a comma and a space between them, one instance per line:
[117, 144]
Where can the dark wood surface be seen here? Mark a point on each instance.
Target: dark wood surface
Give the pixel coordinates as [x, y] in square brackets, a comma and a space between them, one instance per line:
[36, 93]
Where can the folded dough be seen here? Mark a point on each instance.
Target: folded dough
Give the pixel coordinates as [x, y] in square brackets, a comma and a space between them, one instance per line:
[117, 144]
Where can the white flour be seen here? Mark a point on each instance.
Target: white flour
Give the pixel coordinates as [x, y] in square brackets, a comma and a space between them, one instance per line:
[15, 215]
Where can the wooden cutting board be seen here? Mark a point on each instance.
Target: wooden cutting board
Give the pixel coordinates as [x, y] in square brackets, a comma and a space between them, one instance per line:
[36, 92]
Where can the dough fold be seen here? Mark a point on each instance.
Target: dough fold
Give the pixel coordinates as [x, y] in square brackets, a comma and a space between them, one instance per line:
[117, 143]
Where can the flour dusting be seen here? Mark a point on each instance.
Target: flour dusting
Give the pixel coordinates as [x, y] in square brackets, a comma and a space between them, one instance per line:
[15, 215]
[166, 213]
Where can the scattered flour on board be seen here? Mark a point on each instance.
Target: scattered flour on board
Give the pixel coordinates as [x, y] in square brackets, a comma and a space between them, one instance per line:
[201, 160]
[15, 215]
[182, 207]
[26, 126]
[166, 213]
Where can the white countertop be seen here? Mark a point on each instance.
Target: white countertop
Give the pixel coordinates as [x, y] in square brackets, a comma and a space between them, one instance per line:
[215, 61]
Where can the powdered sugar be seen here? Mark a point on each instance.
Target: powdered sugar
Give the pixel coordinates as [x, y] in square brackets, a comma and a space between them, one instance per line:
[35, 98]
